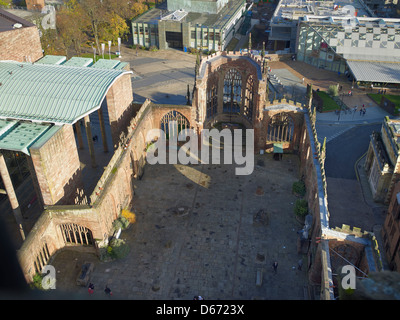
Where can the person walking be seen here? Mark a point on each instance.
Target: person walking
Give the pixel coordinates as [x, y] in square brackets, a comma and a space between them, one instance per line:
[364, 111]
[91, 288]
[275, 266]
[300, 264]
[108, 291]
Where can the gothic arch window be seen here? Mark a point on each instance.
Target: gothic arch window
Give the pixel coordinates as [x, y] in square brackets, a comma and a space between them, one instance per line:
[280, 128]
[232, 91]
[249, 98]
[76, 234]
[182, 122]
[212, 99]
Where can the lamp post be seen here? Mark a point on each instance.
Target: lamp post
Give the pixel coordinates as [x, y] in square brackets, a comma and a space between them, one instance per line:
[119, 47]
[103, 47]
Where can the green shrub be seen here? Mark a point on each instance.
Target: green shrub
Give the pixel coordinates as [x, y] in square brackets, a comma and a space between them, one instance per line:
[299, 188]
[117, 249]
[333, 90]
[301, 208]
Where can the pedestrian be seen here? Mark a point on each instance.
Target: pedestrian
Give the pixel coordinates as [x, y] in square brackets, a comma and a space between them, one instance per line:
[355, 109]
[364, 111]
[275, 266]
[91, 288]
[108, 291]
[300, 264]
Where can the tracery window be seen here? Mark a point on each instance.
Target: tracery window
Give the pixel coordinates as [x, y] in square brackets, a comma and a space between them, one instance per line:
[212, 100]
[280, 128]
[249, 98]
[76, 234]
[232, 91]
[182, 122]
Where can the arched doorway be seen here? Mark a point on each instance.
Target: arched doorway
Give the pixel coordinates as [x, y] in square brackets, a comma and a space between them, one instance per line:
[75, 234]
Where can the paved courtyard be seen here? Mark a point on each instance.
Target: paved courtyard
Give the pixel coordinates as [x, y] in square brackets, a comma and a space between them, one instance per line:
[202, 230]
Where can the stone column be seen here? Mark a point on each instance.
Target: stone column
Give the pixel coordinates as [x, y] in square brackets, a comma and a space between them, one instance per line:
[79, 134]
[90, 141]
[11, 195]
[103, 130]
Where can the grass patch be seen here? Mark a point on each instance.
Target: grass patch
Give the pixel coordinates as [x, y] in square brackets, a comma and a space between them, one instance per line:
[328, 103]
[393, 98]
[232, 44]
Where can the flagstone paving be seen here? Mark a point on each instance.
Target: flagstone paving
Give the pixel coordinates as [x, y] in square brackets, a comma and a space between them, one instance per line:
[202, 230]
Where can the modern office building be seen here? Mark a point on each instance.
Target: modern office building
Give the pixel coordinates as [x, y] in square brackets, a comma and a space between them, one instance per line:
[207, 25]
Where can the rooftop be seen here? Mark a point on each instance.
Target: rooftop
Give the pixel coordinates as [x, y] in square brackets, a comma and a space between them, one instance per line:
[52, 93]
[9, 21]
[291, 10]
[212, 20]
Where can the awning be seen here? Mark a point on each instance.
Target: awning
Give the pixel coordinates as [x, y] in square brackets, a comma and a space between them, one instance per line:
[371, 71]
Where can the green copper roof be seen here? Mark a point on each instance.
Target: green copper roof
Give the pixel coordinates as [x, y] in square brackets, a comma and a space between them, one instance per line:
[52, 93]
[106, 64]
[78, 62]
[50, 59]
[19, 136]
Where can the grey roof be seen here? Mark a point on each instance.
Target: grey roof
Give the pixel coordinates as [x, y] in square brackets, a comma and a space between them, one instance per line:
[371, 71]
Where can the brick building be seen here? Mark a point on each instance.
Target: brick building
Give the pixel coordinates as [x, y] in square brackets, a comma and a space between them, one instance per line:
[19, 39]
[382, 160]
[391, 230]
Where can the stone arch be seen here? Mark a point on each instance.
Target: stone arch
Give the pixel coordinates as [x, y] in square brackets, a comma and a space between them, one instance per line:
[182, 122]
[76, 234]
[280, 128]
[212, 96]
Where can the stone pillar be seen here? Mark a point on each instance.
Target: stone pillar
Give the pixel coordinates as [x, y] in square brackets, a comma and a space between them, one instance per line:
[79, 134]
[103, 130]
[90, 141]
[11, 195]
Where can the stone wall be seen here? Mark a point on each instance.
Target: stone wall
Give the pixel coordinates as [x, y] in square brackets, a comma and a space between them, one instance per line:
[21, 44]
[113, 192]
[57, 166]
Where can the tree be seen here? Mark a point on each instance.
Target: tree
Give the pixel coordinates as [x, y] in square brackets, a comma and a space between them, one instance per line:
[71, 26]
[5, 3]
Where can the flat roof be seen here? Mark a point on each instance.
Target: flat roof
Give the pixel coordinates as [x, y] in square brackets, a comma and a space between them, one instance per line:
[19, 136]
[106, 64]
[211, 20]
[79, 62]
[51, 59]
[371, 71]
[291, 10]
[8, 20]
[52, 93]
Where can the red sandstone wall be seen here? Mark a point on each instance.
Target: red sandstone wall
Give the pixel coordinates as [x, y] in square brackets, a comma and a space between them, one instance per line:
[21, 45]
[57, 167]
[119, 98]
[35, 4]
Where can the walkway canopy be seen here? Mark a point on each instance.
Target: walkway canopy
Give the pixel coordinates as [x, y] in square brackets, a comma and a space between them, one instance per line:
[35, 97]
[374, 71]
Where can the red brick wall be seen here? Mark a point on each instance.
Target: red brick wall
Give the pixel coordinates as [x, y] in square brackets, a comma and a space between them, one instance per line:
[21, 45]
[57, 167]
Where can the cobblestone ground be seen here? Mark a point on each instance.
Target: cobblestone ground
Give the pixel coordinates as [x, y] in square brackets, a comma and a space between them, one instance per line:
[202, 230]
